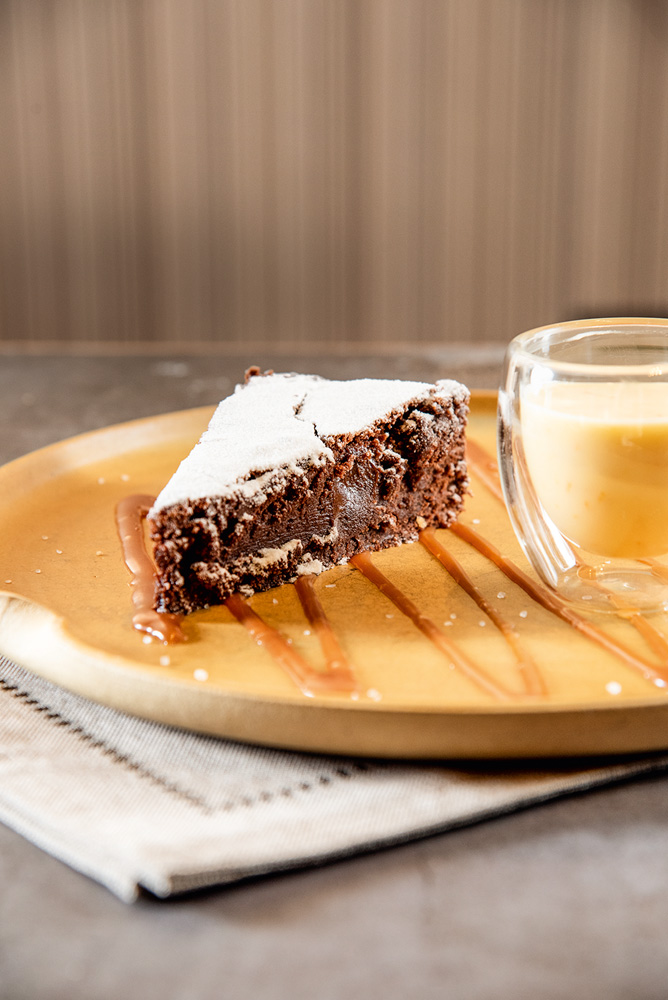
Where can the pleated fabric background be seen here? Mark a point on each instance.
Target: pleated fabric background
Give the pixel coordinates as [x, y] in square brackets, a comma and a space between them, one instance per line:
[329, 171]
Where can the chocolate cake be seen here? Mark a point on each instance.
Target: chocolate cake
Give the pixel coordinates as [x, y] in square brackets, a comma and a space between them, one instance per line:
[296, 474]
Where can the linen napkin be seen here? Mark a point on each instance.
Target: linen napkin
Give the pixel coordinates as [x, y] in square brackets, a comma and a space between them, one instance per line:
[139, 805]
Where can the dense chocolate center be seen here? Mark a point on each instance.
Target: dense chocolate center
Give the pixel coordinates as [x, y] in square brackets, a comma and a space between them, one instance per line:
[374, 491]
[325, 509]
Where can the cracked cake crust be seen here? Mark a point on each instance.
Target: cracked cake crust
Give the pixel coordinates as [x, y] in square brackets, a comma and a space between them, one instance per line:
[296, 474]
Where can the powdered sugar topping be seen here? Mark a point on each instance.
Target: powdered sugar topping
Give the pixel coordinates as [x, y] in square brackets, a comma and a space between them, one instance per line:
[289, 416]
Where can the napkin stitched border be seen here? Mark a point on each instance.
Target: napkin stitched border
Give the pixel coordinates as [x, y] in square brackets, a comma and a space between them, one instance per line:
[136, 804]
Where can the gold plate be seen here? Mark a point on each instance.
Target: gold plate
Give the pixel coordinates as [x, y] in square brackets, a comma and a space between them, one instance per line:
[65, 614]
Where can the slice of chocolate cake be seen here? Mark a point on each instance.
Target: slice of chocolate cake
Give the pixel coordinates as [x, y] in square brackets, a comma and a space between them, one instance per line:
[296, 473]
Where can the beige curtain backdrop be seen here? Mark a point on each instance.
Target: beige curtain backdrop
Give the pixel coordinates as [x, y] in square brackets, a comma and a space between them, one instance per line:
[327, 171]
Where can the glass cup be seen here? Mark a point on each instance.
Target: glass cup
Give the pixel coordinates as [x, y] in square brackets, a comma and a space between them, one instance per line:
[583, 458]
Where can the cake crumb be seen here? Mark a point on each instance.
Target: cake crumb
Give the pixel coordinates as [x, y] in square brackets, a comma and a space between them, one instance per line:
[38, 571]
[308, 423]
[45, 538]
[200, 674]
[613, 687]
[374, 694]
[523, 614]
[501, 594]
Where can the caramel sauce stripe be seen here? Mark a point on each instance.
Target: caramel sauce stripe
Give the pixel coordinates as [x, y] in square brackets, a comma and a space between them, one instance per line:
[486, 470]
[335, 658]
[534, 683]
[466, 666]
[308, 680]
[339, 675]
[550, 602]
[130, 516]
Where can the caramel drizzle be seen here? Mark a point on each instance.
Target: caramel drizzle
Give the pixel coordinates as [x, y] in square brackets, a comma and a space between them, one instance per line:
[308, 680]
[363, 563]
[486, 470]
[339, 676]
[337, 661]
[534, 683]
[654, 638]
[552, 603]
[130, 515]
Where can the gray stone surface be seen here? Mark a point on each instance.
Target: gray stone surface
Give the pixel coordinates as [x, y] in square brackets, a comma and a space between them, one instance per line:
[567, 900]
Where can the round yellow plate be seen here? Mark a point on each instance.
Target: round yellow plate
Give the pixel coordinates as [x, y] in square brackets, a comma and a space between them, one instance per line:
[65, 614]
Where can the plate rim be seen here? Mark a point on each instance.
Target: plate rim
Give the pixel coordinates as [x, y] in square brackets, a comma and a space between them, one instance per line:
[134, 672]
